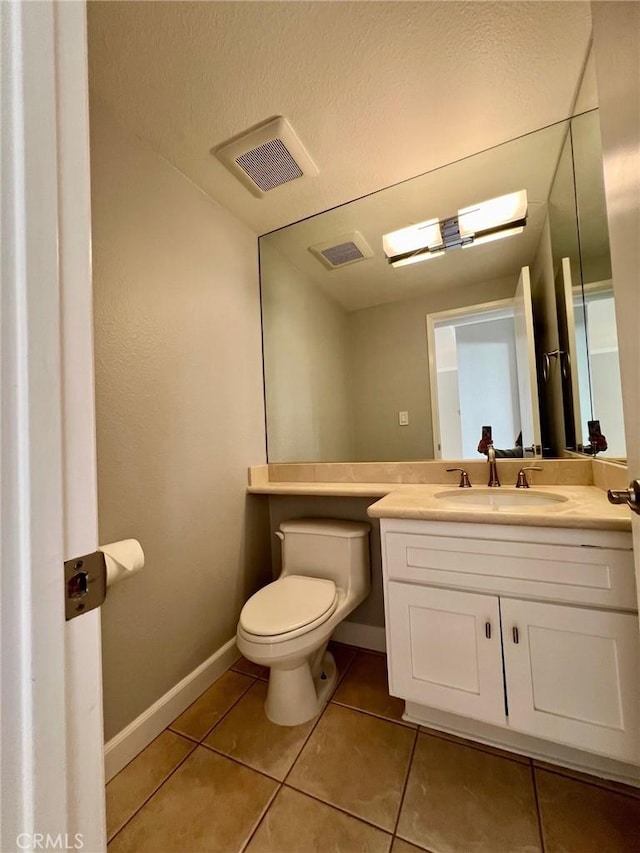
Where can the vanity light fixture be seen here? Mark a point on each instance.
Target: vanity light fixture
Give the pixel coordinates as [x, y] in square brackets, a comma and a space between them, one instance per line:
[415, 243]
[416, 258]
[493, 219]
[499, 217]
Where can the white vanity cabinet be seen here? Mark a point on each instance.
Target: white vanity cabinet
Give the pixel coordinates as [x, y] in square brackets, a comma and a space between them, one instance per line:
[446, 650]
[533, 630]
[572, 675]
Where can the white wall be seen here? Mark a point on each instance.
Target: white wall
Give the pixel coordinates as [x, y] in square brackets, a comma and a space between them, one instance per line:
[306, 366]
[488, 382]
[179, 416]
[390, 370]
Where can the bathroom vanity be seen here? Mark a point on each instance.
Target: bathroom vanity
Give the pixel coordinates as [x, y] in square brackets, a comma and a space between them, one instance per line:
[522, 635]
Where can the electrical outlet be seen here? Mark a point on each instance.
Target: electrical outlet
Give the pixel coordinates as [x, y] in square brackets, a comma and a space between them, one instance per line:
[403, 418]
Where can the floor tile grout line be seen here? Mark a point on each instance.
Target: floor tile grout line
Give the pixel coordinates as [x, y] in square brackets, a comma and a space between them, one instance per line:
[190, 737]
[240, 763]
[229, 709]
[538, 812]
[306, 741]
[270, 802]
[155, 791]
[340, 809]
[131, 760]
[240, 672]
[413, 843]
[403, 723]
[179, 734]
[347, 667]
[406, 781]
[480, 747]
[418, 846]
[601, 784]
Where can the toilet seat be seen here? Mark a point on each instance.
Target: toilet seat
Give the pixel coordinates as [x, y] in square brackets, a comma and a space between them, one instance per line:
[288, 607]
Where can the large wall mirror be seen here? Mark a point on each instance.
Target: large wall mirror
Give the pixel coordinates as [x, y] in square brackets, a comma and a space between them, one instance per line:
[584, 292]
[349, 372]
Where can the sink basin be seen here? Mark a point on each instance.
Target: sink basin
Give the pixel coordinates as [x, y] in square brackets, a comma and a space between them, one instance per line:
[509, 498]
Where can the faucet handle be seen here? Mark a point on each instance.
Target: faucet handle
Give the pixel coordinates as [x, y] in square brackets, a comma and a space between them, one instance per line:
[522, 482]
[465, 482]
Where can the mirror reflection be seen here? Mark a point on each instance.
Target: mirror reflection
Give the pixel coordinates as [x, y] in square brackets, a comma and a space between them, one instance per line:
[584, 290]
[361, 361]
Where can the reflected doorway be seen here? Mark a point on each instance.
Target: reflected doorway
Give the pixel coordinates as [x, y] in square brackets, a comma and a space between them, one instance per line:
[600, 390]
[476, 378]
[482, 368]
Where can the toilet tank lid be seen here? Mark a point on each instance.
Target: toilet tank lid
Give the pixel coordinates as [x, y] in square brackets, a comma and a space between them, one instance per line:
[326, 527]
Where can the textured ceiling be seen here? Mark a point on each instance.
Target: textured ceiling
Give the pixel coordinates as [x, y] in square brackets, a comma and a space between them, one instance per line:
[377, 91]
[528, 163]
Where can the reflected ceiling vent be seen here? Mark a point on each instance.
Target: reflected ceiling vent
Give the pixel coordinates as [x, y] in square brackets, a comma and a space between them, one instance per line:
[344, 250]
[266, 156]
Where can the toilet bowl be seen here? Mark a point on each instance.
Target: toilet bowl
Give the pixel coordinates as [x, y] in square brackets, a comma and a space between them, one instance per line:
[287, 625]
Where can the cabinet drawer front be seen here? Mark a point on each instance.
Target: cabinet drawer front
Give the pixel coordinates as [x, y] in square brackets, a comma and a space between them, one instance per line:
[573, 675]
[445, 650]
[600, 576]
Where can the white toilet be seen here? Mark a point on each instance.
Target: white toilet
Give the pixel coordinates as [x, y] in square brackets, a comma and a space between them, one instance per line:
[287, 624]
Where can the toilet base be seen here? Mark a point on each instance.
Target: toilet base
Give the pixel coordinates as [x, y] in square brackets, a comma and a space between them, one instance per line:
[296, 696]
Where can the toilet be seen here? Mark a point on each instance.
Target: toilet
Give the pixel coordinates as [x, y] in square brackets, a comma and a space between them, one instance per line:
[288, 623]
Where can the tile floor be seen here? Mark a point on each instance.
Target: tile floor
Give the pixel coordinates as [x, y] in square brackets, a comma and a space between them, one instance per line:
[355, 780]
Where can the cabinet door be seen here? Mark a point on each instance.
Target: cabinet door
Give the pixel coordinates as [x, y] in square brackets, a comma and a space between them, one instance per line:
[572, 675]
[445, 650]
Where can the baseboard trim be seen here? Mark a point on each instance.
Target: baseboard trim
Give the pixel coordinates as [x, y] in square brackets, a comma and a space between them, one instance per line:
[128, 743]
[366, 636]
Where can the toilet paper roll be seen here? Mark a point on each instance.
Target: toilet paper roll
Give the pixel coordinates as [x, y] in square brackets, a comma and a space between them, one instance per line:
[123, 559]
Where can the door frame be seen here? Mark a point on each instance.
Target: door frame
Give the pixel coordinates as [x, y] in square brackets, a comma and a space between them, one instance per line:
[51, 737]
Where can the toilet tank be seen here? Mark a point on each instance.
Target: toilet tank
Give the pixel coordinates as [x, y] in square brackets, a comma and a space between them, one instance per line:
[327, 548]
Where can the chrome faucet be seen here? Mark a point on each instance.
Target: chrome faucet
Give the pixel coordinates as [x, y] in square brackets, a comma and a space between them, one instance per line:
[494, 480]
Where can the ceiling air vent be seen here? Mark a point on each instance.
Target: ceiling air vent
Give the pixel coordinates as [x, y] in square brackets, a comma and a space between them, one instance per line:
[347, 249]
[266, 156]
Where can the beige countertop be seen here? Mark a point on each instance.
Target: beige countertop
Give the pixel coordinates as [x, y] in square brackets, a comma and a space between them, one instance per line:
[585, 507]
[339, 490]
[409, 489]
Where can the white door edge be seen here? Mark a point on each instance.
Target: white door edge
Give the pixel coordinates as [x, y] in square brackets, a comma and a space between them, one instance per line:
[51, 740]
[616, 43]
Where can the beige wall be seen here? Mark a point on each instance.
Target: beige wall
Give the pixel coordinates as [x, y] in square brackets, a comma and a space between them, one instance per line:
[306, 366]
[390, 371]
[179, 416]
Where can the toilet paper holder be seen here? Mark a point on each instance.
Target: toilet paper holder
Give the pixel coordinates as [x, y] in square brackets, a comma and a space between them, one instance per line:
[86, 578]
